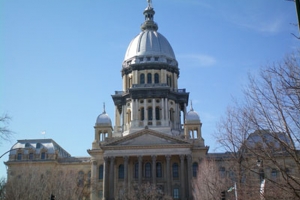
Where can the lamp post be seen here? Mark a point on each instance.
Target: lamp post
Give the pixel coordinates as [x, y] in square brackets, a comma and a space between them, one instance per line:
[262, 180]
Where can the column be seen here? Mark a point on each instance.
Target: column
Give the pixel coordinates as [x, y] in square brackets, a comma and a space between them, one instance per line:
[125, 173]
[153, 113]
[189, 171]
[153, 169]
[111, 177]
[105, 179]
[94, 178]
[182, 177]
[168, 170]
[162, 110]
[140, 158]
[145, 113]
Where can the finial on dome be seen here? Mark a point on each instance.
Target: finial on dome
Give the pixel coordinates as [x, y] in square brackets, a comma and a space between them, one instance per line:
[149, 15]
[192, 109]
[104, 107]
[149, 3]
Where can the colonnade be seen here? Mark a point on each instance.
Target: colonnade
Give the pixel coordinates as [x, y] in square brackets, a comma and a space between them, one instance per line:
[110, 180]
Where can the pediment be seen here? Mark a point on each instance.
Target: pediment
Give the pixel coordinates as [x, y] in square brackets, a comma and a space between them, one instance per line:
[147, 137]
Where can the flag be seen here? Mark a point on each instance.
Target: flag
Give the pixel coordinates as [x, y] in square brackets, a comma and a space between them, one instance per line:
[230, 189]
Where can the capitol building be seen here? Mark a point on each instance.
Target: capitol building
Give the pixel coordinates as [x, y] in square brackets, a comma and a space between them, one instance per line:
[155, 138]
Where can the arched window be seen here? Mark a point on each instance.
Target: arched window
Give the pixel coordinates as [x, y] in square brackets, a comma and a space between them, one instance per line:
[195, 132]
[101, 172]
[27, 145]
[150, 113]
[142, 78]
[158, 170]
[136, 170]
[191, 134]
[148, 170]
[169, 81]
[175, 172]
[157, 113]
[149, 78]
[142, 114]
[121, 171]
[38, 145]
[156, 78]
[195, 169]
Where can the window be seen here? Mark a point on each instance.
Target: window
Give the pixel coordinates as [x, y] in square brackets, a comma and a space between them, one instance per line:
[157, 114]
[101, 172]
[142, 78]
[38, 145]
[19, 156]
[80, 178]
[195, 169]
[175, 170]
[150, 113]
[136, 170]
[121, 171]
[274, 173]
[89, 178]
[176, 193]
[195, 134]
[169, 83]
[149, 78]
[43, 155]
[142, 114]
[158, 170]
[27, 145]
[100, 194]
[156, 78]
[222, 172]
[31, 156]
[148, 170]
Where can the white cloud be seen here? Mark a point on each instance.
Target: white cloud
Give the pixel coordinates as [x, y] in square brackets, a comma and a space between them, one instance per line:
[197, 60]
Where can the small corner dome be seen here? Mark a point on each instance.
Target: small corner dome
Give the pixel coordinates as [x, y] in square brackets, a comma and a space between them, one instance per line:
[103, 120]
[192, 116]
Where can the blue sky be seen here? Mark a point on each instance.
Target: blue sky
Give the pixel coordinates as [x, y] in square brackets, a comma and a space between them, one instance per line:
[60, 60]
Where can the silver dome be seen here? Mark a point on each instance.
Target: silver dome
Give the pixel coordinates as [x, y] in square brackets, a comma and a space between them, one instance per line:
[149, 45]
[103, 120]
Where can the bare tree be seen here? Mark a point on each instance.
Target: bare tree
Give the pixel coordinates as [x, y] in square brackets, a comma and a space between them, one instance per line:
[5, 132]
[145, 191]
[39, 182]
[210, 182]
[265, 125]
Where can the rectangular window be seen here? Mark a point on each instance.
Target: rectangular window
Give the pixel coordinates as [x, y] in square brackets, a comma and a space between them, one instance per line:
[43, 156]
[19, 156]
[100, 194]
[31, 156]
[176, 193]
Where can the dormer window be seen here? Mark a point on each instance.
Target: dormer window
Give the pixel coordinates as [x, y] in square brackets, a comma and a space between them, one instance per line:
[38, 145]
[27, 145]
